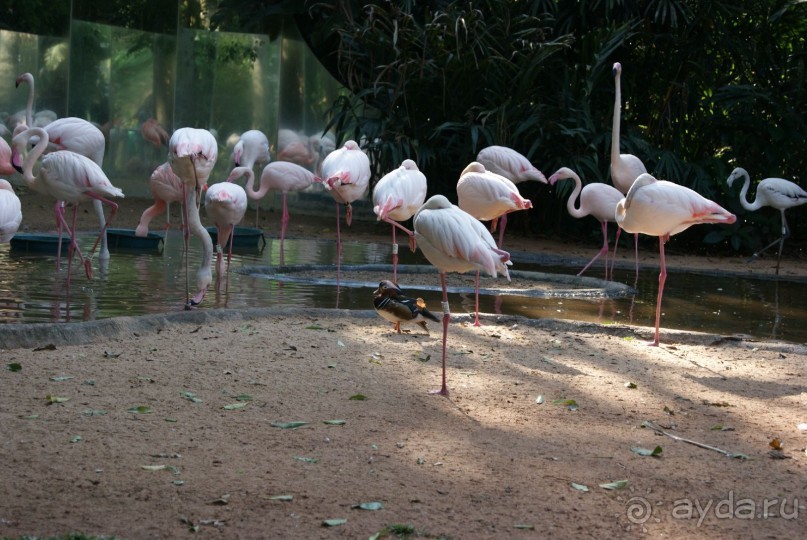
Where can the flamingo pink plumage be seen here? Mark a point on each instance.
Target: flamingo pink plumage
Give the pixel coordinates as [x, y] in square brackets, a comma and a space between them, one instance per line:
[282, 176]
[153, 132]
[396, 197]
[192, 154]
[454, 241]
[5, 158]
[165, 188]
[10, 211]
[66, 176]
[661, 208]
[346, 176]
[776, 192]
[487, 196]
[598, 200]
[625, 168]
[225, 204]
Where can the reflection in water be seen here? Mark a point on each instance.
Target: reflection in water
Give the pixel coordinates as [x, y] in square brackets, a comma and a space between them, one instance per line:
[142, 283]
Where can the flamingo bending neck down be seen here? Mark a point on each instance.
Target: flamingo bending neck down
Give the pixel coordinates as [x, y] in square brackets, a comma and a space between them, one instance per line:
[454, 241]
[192, 154]
[776, 192]
[625, 168]
[598, 200]
[661, 208]
[226, 204]
[396, 197]
[69, 177]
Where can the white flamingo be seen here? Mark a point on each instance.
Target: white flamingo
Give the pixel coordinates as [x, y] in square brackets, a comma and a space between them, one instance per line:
[225, 204]
[454, 241]
[661, 208]
[346, 176]
[10, 211]
[192, 154]
[396, 197]
[625, 168]
[776, 192]
[252, 147]
[598, 200]
[66, 176]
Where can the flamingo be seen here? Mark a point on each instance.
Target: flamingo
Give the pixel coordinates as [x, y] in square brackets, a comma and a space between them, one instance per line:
[454, 241]
[252, 147]
[152, 132]
[776, 192]
[226, 204]
[165, 187]
[396, 197]
[661, 208]
[5, 158]
[346, 176]
[487, 196]
[10, 211]
[625, 168]
[282, 176]
[76, 135]
[291, 147]
[67, 176]
[192, 154]
[597, 200]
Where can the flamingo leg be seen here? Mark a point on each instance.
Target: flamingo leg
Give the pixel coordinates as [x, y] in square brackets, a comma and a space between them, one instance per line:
[636, 251]
[411, 234]
[603, 250]
[338, 246]
[613, 256]
[662, 277]
[780, 241]
[102, 235]
[159, 207]
[284, 221]
[59, 230]
[501, 229]
[446, 317]
[394, 258]
[98, 206]
[476, 296]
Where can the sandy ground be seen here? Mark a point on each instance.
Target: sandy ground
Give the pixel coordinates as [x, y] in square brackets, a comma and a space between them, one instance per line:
[183, 425]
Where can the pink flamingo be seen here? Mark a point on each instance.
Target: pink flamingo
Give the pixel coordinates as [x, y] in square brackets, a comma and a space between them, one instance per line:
[76, 135]
[226, 204]
[291, 147]
[282, 176]
[625, 168]
[454, 241]
[661, 208]
[346, 176]
[192, 154]
[252, 147]
[165, 187]
[67, 176]
[152, 132]
[396, 197]
[487, 196]
[598, 200]
[5, 158]
[10, 211]
[776, 192]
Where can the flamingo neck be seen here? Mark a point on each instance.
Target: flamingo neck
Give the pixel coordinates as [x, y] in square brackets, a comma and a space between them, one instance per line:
[616, 119]
[575, 211]
[28, 165]
[29, 106]
[756, 205]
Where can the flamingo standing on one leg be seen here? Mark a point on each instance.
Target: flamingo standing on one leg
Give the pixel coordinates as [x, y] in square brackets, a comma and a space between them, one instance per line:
[512, 165]
[396, 197]
[282, 176]
[68, 177]
[165, 187]
[661, 208]
[10, 211]
[598, 200]
[76, 135]
[776, 192]
[346, 176]
[226, 204]
[192, 154]
[454, 241]
[625, 168]
[252, 147]
[487, 196]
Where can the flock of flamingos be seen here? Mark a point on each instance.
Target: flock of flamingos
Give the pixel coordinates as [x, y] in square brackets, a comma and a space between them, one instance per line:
[70, 153]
